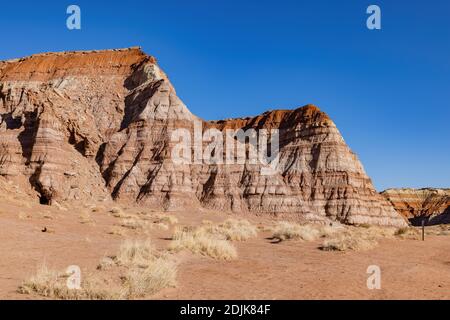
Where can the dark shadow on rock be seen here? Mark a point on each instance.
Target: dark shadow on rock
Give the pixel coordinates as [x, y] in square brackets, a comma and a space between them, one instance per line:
[27, 137]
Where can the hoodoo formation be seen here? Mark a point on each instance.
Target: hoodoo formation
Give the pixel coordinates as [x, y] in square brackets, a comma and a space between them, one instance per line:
[97, 125]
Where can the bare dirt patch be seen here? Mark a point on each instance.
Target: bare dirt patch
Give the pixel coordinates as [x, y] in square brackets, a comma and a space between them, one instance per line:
[263, 269]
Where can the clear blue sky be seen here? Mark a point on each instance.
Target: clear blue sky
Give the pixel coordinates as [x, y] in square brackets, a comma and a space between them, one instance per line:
[388, 91]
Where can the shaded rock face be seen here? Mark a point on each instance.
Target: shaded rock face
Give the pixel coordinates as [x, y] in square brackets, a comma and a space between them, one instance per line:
[99, 125]
[431, 205]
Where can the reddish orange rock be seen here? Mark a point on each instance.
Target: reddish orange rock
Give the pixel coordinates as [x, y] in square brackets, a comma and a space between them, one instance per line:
[430, 204]
[97, 125]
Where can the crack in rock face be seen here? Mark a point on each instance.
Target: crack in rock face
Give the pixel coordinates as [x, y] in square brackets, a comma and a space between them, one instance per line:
[98, 125]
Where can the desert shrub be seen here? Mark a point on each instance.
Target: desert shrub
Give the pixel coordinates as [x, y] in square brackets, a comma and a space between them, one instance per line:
[143, 271]
[133, 223]
[52, 284]
[237, 230]
[136, 253]
[161, 226]
[159, 274]
[119, 213]
[287, 230]
[106, 263]
[407, 233]
[349, 240]
[166, 219]
[381, 232]
[200, 242]
[148, 271]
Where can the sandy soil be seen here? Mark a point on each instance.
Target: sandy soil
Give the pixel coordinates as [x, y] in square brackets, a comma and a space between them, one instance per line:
[411, 269]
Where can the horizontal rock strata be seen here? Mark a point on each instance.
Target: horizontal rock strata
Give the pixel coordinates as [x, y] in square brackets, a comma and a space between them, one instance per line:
[431, 205]
[100, 124]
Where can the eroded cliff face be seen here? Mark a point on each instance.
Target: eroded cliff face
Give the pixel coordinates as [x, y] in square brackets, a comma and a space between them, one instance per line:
[431, 205]
[98, 125]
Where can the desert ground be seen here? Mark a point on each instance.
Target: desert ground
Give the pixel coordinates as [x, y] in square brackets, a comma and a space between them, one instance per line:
[259, 259]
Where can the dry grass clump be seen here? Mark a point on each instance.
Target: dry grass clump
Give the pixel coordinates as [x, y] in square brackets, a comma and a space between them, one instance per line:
[167, 219]
[161, 226]
[119, 213]
[362, 237]
[438, 230]
[199, 241]
[142, 271]
[159, 274]
[381, 232]
[415, 233]
[408, 233]
[337, 237]
[136, 253]
[52, 284]
[349, 240]
[106, 263]
[236, 230]
[163, 222]
[148, 270]
[133, 223]
[287, 230]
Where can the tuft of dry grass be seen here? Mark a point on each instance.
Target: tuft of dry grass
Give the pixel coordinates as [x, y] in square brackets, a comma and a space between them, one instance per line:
[159, 274]
[106, 263]
[136, 253]
[381, 232]
[52, 284]
[438, 230]
[407, 233]
[133, 223]
[119, 213]
[166, 219]
[237, 230]
[143, 272]
[287, 230]
[337, 237]
[200, 242]
[161, 226]
[148, 270]
[350, 239]
[361, 237]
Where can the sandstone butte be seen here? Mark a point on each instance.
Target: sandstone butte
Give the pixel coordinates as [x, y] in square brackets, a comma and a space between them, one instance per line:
[430, 205]
[96, 126]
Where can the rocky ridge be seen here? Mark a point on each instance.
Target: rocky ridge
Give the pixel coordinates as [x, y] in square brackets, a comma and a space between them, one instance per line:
[98, 125]
[430, 204]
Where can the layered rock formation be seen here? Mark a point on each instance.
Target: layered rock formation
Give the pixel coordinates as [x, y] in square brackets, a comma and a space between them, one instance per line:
[100, 125]
[431, 205]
